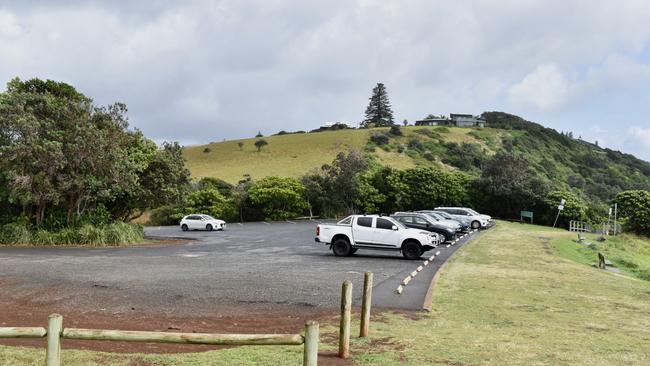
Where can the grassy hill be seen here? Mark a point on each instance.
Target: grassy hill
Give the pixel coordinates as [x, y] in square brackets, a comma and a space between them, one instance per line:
[571, 163]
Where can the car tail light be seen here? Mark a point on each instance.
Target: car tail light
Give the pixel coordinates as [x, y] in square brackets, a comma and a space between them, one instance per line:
[317, 230]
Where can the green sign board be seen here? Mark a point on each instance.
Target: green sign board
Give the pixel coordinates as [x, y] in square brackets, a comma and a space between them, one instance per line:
[527, 214]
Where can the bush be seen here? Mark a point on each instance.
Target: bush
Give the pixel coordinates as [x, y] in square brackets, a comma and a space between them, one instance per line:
[279, 198]
[441, 129]
[206, 150]
[166, 215]
[123, 233]
[92, 235]
[634, 206]
[380, 138]
[395, 130]
[15, 234]
[429, 156]
[415, 144]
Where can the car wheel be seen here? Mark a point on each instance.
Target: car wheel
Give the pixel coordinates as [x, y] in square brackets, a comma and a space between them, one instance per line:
[411, 250]
[184, 227]
[341, 248]
[208, 227]
[476, 225]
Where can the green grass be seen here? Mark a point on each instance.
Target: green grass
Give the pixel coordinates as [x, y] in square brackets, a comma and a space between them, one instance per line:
[508, 298]
[296, 154]
[628, 253]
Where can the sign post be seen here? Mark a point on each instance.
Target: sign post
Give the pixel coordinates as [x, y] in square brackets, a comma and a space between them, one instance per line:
[559, 209]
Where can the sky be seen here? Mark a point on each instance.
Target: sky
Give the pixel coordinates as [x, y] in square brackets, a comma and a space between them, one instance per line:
[201, 71]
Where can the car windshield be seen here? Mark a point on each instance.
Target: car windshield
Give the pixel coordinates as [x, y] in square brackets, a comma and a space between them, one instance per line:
[397, 223]
[207, 217]
[444, 214]
[435, 216]
[472, 211]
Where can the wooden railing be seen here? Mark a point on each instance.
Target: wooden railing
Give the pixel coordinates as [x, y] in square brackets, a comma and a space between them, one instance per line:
[55, 332]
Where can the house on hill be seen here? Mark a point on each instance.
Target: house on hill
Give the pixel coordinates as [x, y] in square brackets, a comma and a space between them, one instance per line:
[455, 119]
[466, 120]
[432, 122]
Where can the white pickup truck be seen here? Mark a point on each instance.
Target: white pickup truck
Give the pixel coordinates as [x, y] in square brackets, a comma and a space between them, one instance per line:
[374, 232]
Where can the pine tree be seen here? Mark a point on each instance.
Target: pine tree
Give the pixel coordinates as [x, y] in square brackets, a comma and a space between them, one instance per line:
[378, 112]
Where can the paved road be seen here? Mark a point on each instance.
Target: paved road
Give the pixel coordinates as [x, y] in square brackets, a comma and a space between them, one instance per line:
[254, 263]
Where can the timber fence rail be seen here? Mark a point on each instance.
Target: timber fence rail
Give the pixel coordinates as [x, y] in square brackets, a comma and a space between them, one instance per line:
[55, 332]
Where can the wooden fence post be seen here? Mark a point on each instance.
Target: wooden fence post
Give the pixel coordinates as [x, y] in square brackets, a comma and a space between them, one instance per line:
[54, 328]
[365, 304]
[344, 329]
[311, 344]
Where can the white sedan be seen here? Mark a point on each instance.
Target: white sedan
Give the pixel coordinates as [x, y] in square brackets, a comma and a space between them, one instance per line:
[202, 222]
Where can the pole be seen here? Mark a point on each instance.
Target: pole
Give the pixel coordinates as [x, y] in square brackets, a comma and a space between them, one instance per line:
[344, 328]
[365, 304]
[311, 344]
[54, 328]
[615, 212]
[556, 217]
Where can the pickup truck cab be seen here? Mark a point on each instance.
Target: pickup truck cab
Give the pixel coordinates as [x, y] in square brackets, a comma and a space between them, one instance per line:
[374, 232]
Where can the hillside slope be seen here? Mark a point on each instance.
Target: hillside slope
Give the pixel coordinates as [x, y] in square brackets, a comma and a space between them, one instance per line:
[596, 172]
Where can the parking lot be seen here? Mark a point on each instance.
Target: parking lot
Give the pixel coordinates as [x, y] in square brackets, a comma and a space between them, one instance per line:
[254, 263]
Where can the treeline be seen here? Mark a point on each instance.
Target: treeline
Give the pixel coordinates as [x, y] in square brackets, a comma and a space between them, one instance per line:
[356, 183]
[65, 162]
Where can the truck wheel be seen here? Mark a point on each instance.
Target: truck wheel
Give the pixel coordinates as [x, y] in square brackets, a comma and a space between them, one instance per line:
[341, 248]
[476, 225]
[411, 250]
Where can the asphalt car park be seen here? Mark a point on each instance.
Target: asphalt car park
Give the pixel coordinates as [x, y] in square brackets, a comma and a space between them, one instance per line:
[253, 263]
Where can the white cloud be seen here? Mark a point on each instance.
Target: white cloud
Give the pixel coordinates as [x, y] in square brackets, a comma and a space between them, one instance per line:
[545, 88]
[640, 135]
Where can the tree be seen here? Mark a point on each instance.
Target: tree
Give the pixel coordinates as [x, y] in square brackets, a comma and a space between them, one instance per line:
[405, 123]
[574, 207]
[378, 112]
[279, 198]
[342, 181]
[241, 145]
[426, 188]
[259, 144]
[210, 201]
[634, 207]
[220, 185]
[259, 134]
[508, 184]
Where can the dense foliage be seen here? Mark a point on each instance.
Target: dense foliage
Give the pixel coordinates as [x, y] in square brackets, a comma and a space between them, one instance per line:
[65, 162]
[634, 207]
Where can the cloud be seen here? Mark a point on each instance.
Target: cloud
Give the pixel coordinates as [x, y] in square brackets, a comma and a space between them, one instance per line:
[229, 68]
[545, 88]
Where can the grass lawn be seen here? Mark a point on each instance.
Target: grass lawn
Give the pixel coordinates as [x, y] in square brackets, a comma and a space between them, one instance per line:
[507, 298]
[628, 253]
[296, 154]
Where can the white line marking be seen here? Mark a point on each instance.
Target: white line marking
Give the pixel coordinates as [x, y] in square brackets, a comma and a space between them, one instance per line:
[426, 263]
[419, 268]
[414, 273]
[406, 281]
[264, 222]
[291, 222]
[399, 289]
[448, 245]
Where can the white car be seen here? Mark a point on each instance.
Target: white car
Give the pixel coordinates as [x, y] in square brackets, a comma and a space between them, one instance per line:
[477, 221]
[202, 222]
[375, 232]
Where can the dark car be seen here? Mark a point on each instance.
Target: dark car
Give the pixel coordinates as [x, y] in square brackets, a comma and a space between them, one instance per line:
[464, 225]
[424, 222]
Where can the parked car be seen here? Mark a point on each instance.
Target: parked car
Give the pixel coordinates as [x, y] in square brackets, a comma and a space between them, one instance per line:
[202, 222]
[422, 221]
[374, 232]
[454, 224]
[463, 222]
[477, 221]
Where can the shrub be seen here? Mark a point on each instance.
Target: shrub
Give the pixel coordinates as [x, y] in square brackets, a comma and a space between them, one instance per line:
[279, 198]
[67, 236]
[380, 138]
[44, 237]
[15, 234]
[123, 233]
[92, 235]
[428, 132]
[401, 148]
[415, 144]
[206, 150]
[166, 215]
[634, 206]
[429, 156]
[395, 130]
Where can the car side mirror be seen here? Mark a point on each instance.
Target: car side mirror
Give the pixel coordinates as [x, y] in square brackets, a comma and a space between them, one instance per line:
[394, 227]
